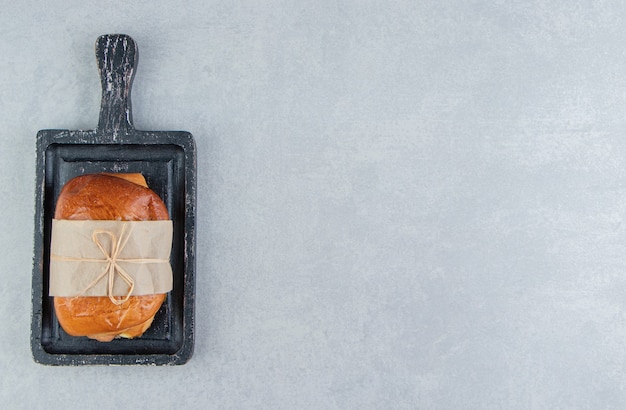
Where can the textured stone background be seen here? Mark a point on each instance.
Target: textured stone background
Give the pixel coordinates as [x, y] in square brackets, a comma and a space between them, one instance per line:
[413, 204]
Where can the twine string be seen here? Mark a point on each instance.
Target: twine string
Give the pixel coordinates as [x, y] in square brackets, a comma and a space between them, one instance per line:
[111, 259]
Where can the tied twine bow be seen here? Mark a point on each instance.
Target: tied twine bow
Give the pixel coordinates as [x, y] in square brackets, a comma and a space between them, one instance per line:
[111, 258]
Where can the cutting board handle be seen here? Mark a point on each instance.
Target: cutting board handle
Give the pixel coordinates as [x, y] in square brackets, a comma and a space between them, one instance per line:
[116, 55]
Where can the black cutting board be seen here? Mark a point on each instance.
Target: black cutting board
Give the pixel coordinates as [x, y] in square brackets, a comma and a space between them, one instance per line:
[167, 159]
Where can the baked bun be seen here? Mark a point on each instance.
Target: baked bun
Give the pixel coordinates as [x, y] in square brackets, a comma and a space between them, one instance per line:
[124, 197]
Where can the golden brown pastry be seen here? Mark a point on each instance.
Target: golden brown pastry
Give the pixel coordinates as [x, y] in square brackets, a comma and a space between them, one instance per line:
[123, 197]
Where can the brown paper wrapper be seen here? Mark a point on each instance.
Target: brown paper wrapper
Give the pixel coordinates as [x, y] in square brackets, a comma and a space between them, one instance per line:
[110, 258]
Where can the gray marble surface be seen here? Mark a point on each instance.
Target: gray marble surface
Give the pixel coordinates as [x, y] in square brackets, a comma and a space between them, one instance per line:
[403, 204]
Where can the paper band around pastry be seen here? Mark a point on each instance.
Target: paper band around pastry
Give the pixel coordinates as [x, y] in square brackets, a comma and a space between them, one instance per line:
[117, 259]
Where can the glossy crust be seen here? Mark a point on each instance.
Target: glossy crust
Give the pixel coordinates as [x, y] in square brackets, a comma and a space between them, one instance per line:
[108, 197]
